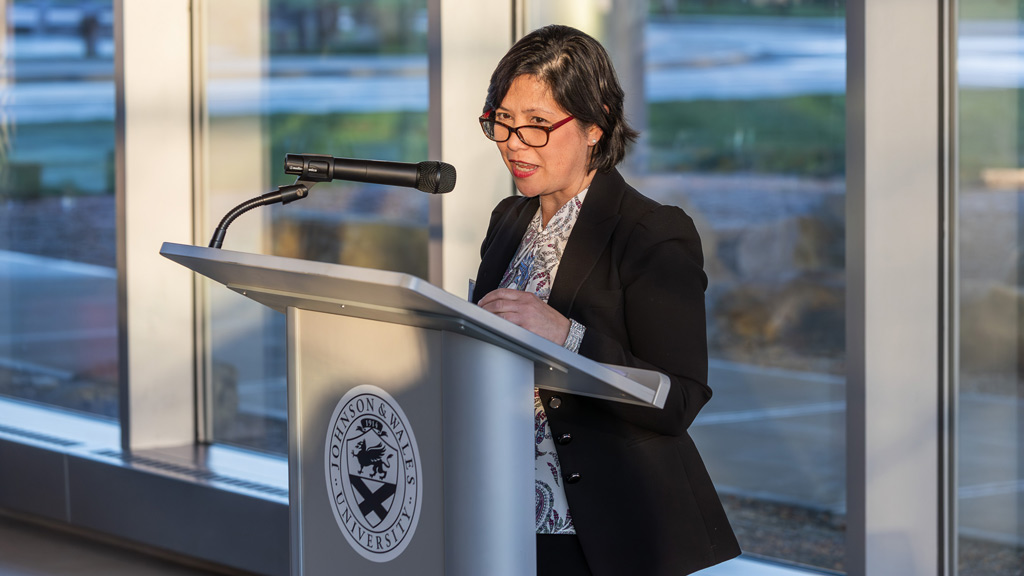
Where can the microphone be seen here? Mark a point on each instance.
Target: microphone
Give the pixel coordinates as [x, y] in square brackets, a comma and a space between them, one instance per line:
[430, 176]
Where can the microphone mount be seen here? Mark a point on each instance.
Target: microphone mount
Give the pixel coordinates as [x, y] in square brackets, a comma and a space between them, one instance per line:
[283, 195]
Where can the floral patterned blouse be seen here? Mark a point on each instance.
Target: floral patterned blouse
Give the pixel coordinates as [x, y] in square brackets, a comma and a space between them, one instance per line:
[533, 269]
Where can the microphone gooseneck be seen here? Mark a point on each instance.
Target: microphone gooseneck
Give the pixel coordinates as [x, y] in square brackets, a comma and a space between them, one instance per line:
[284, 195]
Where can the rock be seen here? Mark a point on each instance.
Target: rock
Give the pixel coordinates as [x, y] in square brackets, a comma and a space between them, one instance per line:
[991, 328]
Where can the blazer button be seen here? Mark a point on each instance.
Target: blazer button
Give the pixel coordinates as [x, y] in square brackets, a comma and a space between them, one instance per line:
[565, 438]
[573, 478]
[555, 402]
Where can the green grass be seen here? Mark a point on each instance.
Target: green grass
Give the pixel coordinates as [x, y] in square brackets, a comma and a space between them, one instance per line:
[806, 135]
[63, 159]
[395, 136]
[788, 8]
[991, 9]
[378, 27]
[802, 135]
[969, 9]
[73, 158]
[991, 124]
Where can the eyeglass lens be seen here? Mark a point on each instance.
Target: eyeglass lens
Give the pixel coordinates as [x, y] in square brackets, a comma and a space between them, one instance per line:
[530, 135]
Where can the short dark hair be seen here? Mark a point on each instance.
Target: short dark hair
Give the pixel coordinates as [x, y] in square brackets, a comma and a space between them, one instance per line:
[582, 80]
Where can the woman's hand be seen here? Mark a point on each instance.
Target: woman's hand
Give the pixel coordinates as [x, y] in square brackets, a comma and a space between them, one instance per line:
[526, 310]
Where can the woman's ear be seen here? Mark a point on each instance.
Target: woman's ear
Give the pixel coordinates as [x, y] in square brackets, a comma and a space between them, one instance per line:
[595, 133]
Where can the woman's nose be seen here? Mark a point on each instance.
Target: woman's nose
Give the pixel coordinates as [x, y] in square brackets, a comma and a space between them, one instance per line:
[515, 142]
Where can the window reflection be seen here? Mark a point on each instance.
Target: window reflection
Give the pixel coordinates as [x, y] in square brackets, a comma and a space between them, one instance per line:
[991, 279]
[344, 78]
[742, 109]
[58, 280]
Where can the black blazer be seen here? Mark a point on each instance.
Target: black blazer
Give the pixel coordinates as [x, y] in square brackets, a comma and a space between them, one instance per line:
[632, 274]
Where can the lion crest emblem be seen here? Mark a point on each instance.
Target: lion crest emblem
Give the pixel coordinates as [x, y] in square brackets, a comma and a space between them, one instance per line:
[373, 473]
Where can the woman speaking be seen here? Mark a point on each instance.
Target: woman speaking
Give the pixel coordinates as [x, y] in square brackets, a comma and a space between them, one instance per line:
[586, 261]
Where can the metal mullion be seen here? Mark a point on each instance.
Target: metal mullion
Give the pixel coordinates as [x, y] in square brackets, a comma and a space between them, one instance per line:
[949, 280]
[203, 360]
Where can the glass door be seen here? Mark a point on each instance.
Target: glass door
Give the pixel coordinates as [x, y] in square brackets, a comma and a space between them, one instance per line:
[742, 109]
[990, 207]
[346, 78]
[58, 225]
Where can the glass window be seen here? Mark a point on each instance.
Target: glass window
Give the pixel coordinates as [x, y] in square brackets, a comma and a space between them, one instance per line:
[990, 207]
[346, 78]
[741, 106]
[58, 236]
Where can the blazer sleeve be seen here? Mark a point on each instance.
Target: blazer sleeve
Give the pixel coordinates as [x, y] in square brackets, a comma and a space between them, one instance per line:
[663, 316]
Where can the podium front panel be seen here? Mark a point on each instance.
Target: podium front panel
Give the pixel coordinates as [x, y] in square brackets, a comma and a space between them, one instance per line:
[385, 518]
[410, 451]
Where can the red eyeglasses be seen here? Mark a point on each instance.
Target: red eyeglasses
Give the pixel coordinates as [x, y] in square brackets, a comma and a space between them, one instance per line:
[534, 136]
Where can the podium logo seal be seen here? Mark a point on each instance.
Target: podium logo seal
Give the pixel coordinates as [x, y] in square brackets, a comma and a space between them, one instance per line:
[373, 473]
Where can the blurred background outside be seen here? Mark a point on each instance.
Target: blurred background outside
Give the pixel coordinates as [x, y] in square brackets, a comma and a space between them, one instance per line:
[742, 108]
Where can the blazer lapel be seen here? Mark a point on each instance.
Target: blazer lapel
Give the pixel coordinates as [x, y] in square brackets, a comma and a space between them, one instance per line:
[590, 234]
[508, 235]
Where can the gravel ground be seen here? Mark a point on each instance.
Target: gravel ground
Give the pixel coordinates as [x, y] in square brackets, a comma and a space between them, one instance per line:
[984, 558]
[80, 229]
[817, 539]
[799, 535]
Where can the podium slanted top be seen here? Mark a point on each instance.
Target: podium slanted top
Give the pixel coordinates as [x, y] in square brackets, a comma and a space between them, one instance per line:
[385, 296]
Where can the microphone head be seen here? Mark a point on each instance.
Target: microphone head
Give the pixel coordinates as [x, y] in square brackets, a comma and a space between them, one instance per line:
[435, 177]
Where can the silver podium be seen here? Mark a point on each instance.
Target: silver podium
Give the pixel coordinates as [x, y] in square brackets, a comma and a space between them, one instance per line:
[410, 417]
